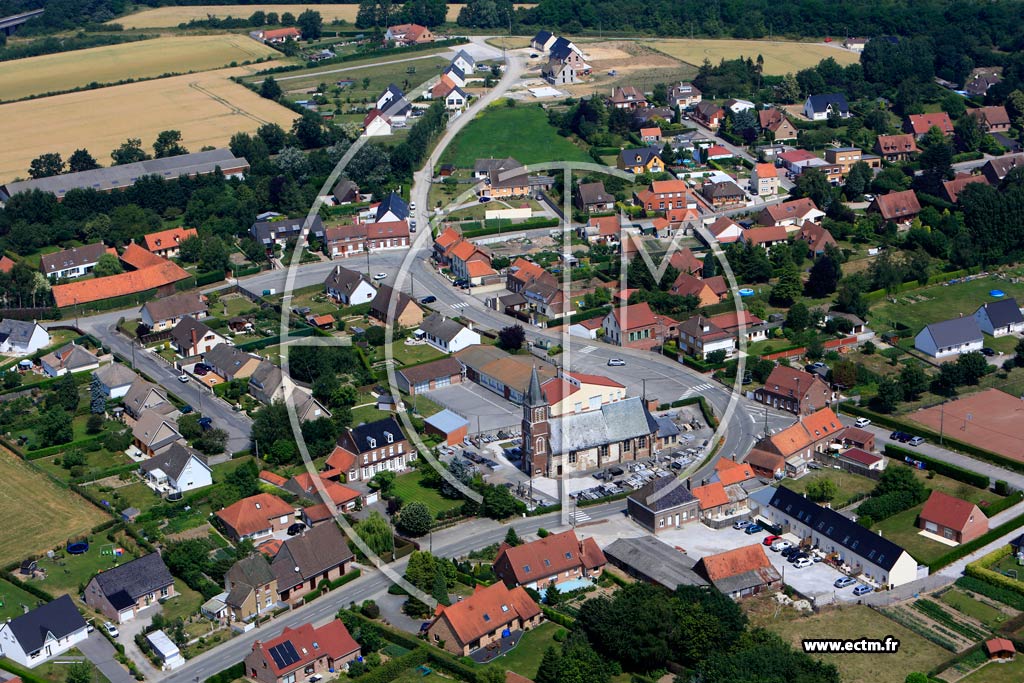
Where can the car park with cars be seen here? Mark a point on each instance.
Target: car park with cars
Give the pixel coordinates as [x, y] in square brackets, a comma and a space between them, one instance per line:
[862, 589]
[844, 582]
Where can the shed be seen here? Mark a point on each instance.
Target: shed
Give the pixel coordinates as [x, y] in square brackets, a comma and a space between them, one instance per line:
[165, 649]
[452, 426]
[1000, 649]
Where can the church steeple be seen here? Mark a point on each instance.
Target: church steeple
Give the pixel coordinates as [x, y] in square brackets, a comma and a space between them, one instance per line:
[534, 396]
[536, 430]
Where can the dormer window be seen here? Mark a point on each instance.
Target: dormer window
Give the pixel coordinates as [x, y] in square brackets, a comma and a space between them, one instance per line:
[389, 436]
[372, 441]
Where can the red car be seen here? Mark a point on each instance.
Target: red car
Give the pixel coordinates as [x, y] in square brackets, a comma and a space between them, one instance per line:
[768, 540]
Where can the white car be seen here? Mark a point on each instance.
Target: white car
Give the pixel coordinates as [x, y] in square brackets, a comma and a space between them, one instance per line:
[380, 276]
[183, 378]
[779, 546]
[862, 422]
[412, 206]
[616, 362]
[803, 563]
[111, 629]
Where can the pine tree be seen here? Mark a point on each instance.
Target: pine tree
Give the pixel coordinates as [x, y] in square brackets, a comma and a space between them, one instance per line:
[98, 400]
[549, 665]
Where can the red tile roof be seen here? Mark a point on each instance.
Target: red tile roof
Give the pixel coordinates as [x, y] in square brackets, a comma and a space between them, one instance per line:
[252, 514]
[806, 432]
[730, 322]
[487, 609]
[796, 155]
[861, 456]
[290, 32]
[795, 208]
[6, 264]
[718, 151]
[310, 644]
[606, 225]
[479, 269]
[646, 132]
[765, 234]
[766, 171]
[921, 123]
[685, 262]
[896, 205]
[732, 472]
[711, 495]
[556, 388]
[600, 380]
[548, 556]
[168, 239]
[999, 646]
[667, 186]
[272, 478]
[387, 229]
[897, 144]
[947, 511]
[955, 186]
[635, 316]
[447, 238]
[339, 494]
[733, 562]
[341, 460]
[158, 274]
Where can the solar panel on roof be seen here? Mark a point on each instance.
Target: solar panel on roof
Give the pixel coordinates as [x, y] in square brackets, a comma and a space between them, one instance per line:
[284, 654]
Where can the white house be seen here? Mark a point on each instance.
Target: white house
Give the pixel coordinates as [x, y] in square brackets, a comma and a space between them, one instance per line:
[376, 124]
[391, 94]
[455, 74]
[193, 337]
[465, 62]
[177, 469]
[115, 379]
[456, 99]
[586, 329]
[1000, 318]
[446, 335]
[69, 358]
[818, 107]
[950, 338]
[874, 557]
[349, 287]
[21, 337]
[42, 634]
[699, 337]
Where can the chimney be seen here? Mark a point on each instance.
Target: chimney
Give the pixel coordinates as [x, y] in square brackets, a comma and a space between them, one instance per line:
[195, 340]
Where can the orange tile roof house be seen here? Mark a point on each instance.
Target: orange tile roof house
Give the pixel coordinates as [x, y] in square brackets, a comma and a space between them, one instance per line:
[301, 652]
[896, 147]
[711, 497]
[409, 34]
[256, 516]
[793, 390]
[991, 119]
[730, 472]
[951, 189]
[709, 291]
[167, 243]
[152, 274]
[637, 326]
[920, 124]
[775, 120]
[490, 616]
[766, 236]
[740, 572]
[303, 485]
[792, 213]
[799, 442]
[951, 518]
[276, 35]
[898, 207]
[817, 237]
[552, 559]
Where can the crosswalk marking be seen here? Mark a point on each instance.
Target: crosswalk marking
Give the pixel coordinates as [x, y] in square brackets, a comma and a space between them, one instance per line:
[578, 516]
[587, 349]
[461, 304]
[697, 389]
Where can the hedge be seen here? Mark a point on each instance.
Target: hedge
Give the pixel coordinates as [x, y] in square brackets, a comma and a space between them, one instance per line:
[29, 677]
[442, 660]
[209, 278]
[976, 584]
[705, 408]
[227, 675]
[54, 450]
[975, 479]
[27, 587]
[969, 449]
[276, 339]
[108, 472]
[558, 617]
[528, 224]
[393, 668]
[965, 549]
[1003, 503]
[701, 366]
[250, 270]
[388, 633]
[607, 499]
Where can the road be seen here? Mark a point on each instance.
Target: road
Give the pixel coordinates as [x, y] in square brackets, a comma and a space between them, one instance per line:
[453, 542]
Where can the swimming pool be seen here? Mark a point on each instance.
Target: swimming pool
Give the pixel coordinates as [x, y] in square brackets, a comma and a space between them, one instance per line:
[573, 584]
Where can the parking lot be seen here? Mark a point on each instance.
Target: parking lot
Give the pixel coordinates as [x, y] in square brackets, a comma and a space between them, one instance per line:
[485, 410]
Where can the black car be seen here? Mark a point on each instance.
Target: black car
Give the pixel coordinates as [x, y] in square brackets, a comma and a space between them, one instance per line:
[616, 471]
[786, 552]
[296, 529]
[796, 556]
[428, 299]
[205, 423]
[461, 282]
[988, 352]
[902, 437]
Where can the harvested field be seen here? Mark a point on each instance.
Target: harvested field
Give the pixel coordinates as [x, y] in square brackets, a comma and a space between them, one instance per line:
[40, 514]
[634, 64]
[207, 108]
[779, 57]
[164, 17]
[113, 63]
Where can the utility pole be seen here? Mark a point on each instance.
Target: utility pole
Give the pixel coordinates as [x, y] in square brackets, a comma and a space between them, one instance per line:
[942, 420]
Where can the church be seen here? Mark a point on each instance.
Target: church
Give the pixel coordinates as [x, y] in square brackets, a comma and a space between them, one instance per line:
[554, 446]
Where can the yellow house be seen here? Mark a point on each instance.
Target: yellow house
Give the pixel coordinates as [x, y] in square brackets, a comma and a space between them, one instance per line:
[645, 160]
[574, 392]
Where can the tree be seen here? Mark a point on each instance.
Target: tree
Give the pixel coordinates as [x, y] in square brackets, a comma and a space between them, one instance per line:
[129, 152]
[889, 395]
[46, 165]
[108, 264]
[311, 24]
[890, 179]
[822, 490]
[430, 13]
[81, 160]
[857, 180]
[968, 134]
[272, 135]
[814, 185]
[499, 503]
[1018, 354]
[376, 532]
[824, 276]
[78, 672]
[551, 595]
[900, 480]
[512, 338]
[916, 677]
[271, 91]
[949, 378]
[308, 130]
[415, 519]
[913, 380]
[788, 288]
[549, 664]
[55, 427]
[973, 367]
[710, 268]
[168, 144]
[798, 318]
[936, 161]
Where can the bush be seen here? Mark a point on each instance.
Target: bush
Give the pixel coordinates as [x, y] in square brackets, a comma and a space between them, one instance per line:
[952, 471]
[965, 549]
[990, 590]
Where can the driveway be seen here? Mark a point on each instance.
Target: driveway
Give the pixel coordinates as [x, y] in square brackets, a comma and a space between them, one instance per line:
[98, 650]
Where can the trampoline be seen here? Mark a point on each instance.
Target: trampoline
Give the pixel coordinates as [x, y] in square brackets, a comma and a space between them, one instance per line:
[77, 547]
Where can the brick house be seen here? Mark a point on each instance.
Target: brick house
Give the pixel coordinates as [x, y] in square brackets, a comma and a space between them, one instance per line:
[637, 326]
[656, 507]
[552, 559]
[739, 572]
[793, 390]
[303, 562]
[951, 518]
[483, 619]
[256, 516]
[124, 591]
[896, 147]
[301, 653]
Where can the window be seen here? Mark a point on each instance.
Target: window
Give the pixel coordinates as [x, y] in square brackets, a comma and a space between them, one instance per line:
[568, 556]
[572, 458]
[526, 569]
[602, 451]
[641, 442]
[661, 523]
[547, 563]
[290, 678]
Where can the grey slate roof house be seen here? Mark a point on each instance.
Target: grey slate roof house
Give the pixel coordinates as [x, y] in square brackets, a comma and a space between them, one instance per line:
[22, 337]
[269, 233]
[818, 107]
[122, 592]
[592, 197]
[165, 312]
[1000, 318]
[266, 382]
[179, 467]
[345, 191]
[192, 337]
[73, 262]
[648, 559]
[349, 286]
[950, 337]
[43, 633]
[231, 362]
[664, 503]
[115, 379]
[447, 335]
[69, 358]
[143, 396]
[393, 208]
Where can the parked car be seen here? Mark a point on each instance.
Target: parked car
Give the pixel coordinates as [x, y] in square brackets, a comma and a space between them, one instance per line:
[916, 441]
[412, 226]
[484, 200]
[412, 206]
[461, 282]
[770, 539]
[183, 378]
[798, 556]
[862, 589]
[111, 629]
[844, 581]
[616, 362]
[203, 366]
[780, 545]
[428, 299]
[296, 529]
[789, 551]
[741, 524]
[380, 276]
[803, 563]
[862, 422]
[902, 437]
[753, 529]
[616, 471]
[185, 409]
[869, 197]
[988, 351]
[205, 423]
[200, 371]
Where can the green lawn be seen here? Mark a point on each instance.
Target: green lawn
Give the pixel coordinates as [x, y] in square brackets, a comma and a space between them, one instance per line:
[233, 305]
[94, 462]
[225, 468]
[522, 132]
[12, 598]
[65, 575]
[409, 488]
[998, 673]
[136, 495]
[849, 485]
[972, 607]
[943, 302]
[525, 657]
[406, 354]
[52, 672]
[185, 604]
